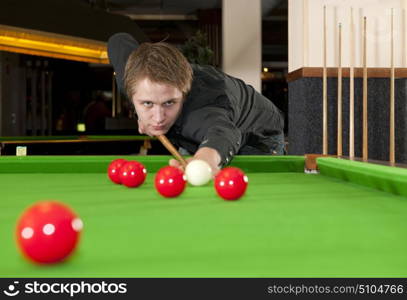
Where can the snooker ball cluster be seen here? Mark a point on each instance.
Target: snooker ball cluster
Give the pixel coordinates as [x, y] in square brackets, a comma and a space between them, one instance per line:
[129, 173]
[230, 183]
[48, 232]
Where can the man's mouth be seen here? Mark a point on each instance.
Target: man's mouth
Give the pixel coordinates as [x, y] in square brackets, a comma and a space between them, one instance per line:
[158, 127]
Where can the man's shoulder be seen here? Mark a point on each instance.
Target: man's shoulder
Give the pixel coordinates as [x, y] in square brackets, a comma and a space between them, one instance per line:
[207, 71]
[207, 79]
[208, 89]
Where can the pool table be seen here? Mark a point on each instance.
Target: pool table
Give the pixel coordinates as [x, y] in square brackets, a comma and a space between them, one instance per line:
[347, 220]
[82, 145]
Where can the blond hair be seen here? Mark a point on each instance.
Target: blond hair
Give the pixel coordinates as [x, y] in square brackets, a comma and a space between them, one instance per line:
[160, 63]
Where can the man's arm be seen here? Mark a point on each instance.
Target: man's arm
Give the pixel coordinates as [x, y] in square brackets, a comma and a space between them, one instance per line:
[218, 136]
[119, 48]
[211, 156]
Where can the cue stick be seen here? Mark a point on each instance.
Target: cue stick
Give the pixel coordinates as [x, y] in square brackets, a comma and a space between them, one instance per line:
[167, 144]
[324, 95]
[339, 133]
[392, 108]
[351, 90]
[365, 129]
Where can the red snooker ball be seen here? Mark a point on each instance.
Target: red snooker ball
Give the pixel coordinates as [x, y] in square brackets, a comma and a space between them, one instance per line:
[133, 174]
[113, 170]
[170, 181]
[48, 232]
[231, 183]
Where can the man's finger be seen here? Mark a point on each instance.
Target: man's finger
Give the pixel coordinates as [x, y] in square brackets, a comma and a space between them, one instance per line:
[175, 163]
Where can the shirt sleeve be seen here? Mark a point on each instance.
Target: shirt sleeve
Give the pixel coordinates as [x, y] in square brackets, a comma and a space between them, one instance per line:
[213, 127]
[119, 48]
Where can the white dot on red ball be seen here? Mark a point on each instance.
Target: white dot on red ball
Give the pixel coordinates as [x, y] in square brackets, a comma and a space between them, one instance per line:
[144, 171]
[245, 179]
[170, 180]
[132, 173]
[113, 171]
[48, 229]
[231, 182]
[124, 173]
[162, 181]
[27, 233]
[222, 183]
[77, 224]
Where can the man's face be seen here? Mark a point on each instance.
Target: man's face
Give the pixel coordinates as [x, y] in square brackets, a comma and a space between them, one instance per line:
[157, 106]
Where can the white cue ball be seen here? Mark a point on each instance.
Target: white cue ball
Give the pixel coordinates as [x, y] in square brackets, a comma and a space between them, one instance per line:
[198, 172]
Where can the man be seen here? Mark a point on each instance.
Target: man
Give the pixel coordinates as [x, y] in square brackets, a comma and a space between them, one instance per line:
[202, 110]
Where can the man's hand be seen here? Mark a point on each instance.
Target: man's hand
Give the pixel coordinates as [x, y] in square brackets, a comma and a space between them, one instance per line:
[211, 156]
[175, 163]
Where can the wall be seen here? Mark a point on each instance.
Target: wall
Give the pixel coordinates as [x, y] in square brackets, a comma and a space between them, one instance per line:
[241, 28]
[306, 32]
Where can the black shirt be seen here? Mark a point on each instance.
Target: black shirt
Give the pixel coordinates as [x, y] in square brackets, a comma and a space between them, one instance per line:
[224, 113]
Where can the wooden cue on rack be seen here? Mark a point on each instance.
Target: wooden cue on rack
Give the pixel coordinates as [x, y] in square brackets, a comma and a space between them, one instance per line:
[167, 144]
[365, 128]
[339, 133]
[392, 157]
[352, 90]
[324, 94]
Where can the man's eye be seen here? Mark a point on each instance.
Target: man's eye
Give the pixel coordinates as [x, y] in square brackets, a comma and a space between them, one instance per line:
[147, 104]
[169, 103]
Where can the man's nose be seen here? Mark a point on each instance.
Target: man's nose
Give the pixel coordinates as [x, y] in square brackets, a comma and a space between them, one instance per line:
[158, 114]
